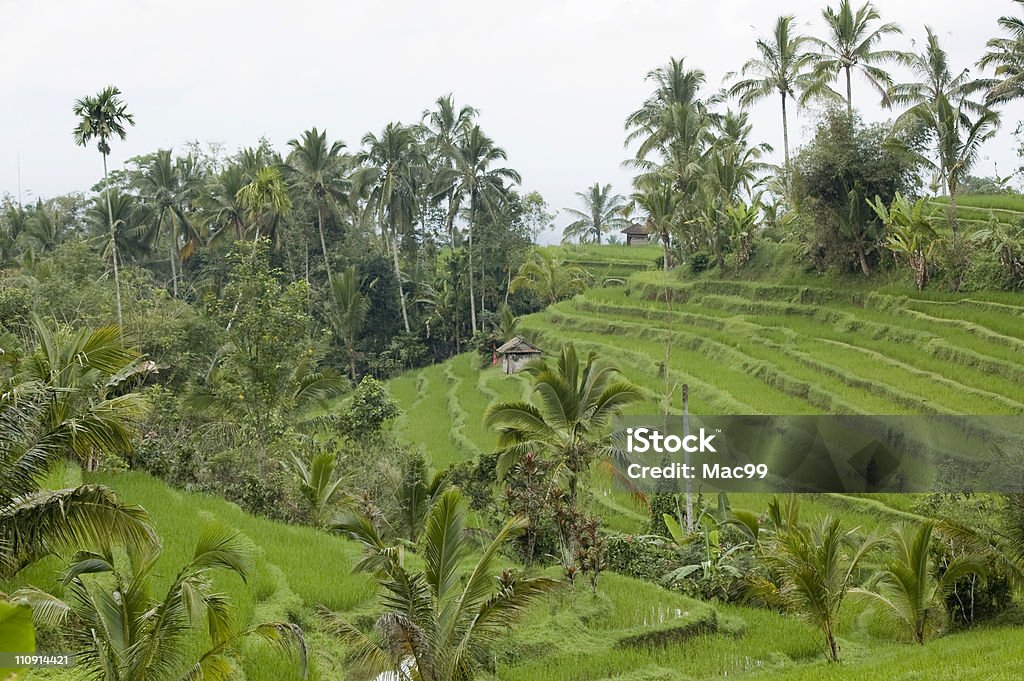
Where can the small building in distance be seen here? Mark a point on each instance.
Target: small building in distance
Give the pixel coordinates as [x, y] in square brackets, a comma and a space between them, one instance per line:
[637, 235]
[516, 353]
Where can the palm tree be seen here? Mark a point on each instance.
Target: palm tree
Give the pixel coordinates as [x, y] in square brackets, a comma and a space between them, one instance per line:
[166, 191]
[318, 483]
[439, 621]
[815, 568]
[121, 632]
[660, 202]
[571, 404]
[935, 79]
[446, 130]
[39, 427]
[265, 200]
[318, 167]
[550, 278]
[602, 212]
[392, 162]
[1006, 55]
[674, 85]
[483, 186]
[907, 590]
[347, 311]
[224, 214]
[957, 141]
[851, 45]
[783, 67]
[102, 117]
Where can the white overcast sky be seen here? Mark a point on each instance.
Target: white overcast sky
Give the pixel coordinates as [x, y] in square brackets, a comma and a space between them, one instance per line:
[554, 80]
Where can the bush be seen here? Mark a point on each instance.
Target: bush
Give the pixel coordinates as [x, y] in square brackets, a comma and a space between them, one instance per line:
[642, 557]
[700, 262]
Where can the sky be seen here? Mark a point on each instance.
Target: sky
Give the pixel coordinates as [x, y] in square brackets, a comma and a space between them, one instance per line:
[553, 80]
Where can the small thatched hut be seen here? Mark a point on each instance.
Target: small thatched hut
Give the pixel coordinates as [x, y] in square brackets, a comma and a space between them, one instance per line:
[637, 235]
[516, 353]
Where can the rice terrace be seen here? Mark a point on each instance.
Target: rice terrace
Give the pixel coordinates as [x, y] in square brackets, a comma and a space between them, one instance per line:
[314, 410]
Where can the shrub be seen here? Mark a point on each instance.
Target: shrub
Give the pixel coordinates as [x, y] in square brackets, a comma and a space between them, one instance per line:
[700, 262]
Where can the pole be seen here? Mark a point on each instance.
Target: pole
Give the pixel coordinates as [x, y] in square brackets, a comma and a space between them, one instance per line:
[686, 432]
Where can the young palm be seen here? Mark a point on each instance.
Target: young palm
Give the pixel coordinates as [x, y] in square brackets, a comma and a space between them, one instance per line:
[660, 201]
[816, 567]
[1006, 55]
[347, 311]
[852, 45]
[602, 212]
[439, 621]
[319, 169]
[908, 590]
[119, 631]
[782, 68]
[550, 278]
[392, 163]
[265, 201]
[571, 404]
[35, 522]
[318, 483]
[102, 117]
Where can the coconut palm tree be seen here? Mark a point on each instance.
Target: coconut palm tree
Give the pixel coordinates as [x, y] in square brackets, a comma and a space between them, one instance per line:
[570, 405]
[783, 67]
[318, 483]
[318, 168]
[957, 142]
[446, 127]
[602, 212]
[674, 85]
[935, 78]
[483, 186]
[102, 117]
[392, 162]
[167, 193]
[659, 201]
[347, 311]
[909, 590]
[815, 568]
[439, 621]
[1006, 55]
[224, 215]
[120, 631]
[852, 45]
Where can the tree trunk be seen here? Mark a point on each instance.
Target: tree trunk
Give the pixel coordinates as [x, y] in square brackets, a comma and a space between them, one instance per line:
[113, 243]
[472, 295]
[953, 222]
[862, 256]
[785, 140]
[665, 246]
[323, 244]
[686, 457]
[398, 273]
[849, 93]
[833, 647]
[174, 258]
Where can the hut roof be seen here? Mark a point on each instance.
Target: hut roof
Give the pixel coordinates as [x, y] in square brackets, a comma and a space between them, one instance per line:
[519, 346]
[637, 228]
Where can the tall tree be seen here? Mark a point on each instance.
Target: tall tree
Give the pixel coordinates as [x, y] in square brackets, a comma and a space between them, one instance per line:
[935, 78]
[446, 127]
[957, 142]
[392, 163]
[319, 169]
[1006, 55]
[484, 187]
[602, 212]
[102, 117]
[265, 200]
[783, 67]
[167, 191]
[852, 45]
